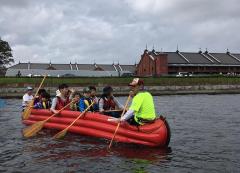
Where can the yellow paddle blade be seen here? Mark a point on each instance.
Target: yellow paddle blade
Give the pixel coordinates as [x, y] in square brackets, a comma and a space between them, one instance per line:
[27, 110]
[33, 129]
[60, 134]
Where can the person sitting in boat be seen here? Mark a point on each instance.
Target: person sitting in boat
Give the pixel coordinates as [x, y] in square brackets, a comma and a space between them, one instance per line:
[39, 95]
[108, 104]
[94, 97]
[75, 98]
[142, 109]
[86, 100]
[27, 97]
[61, 99]
[44, 101]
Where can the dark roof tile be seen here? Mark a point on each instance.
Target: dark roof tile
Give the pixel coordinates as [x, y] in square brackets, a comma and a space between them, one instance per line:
[225, 58]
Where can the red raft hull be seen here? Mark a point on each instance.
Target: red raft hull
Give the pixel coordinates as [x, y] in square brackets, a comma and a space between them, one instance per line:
[97, 125]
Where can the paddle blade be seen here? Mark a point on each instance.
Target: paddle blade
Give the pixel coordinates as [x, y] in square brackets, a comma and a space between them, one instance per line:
[27, 110]
[61, 134]
[33, 129]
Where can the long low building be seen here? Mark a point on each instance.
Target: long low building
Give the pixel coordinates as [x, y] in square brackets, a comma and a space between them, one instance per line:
[153, 63]
[71, 70]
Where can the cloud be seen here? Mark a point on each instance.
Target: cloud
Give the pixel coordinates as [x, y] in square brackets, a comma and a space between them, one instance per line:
[113, 30]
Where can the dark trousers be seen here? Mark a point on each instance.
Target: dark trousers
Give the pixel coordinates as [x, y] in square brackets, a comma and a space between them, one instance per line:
[115, 114]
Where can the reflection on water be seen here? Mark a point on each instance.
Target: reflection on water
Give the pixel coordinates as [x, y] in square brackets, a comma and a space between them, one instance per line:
[2, 104]
[205, 138]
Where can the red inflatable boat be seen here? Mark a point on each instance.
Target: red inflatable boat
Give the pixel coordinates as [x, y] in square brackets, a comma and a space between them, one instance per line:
[97, 125]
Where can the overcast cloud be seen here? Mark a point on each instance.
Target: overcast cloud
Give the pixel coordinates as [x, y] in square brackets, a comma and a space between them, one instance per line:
[116, 30]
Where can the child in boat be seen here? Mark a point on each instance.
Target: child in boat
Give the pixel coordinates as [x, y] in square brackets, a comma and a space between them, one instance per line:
[86, 100]
[44, 101]
[108, 104]
[94, 97]
[38, 97]
[75, 98]
[61, 99]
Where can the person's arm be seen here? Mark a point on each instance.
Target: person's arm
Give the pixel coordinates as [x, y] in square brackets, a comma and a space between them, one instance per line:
[100, 105]
[129, 114]
[118, 104]
[54, 103]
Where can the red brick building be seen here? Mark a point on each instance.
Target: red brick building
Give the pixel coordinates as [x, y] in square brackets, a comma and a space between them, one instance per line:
[154, 63]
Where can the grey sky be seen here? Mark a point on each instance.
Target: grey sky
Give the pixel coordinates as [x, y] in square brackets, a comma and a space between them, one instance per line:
[116, 30]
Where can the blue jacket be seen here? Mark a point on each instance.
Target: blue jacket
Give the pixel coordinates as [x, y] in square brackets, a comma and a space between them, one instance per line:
[84, 103]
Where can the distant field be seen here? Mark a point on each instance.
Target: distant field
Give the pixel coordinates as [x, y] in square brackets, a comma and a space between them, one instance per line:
[163, 81]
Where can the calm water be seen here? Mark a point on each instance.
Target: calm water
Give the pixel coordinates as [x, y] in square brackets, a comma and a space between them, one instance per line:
[205, 138]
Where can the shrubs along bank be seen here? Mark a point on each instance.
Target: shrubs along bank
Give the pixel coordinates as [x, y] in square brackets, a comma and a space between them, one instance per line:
[120, 81]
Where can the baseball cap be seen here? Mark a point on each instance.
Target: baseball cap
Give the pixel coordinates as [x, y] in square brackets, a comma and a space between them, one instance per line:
[29, 88]
[136, 81]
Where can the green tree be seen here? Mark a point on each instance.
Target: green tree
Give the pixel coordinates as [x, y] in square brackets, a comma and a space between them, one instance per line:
[5, 56]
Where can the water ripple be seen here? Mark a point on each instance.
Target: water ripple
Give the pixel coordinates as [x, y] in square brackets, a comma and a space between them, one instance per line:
[205, 138]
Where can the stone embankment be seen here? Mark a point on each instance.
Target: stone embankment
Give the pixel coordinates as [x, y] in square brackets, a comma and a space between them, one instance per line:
[17, 92]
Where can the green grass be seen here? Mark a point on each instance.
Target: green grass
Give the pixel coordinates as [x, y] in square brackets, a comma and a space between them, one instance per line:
[83, 81]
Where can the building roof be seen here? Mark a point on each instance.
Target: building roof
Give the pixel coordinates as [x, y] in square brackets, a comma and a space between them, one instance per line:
[199, 58]
[225, 58]
[72, 69]
[174, 58]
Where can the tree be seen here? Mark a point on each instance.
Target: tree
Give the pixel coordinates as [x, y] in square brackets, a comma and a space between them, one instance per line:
[5, 56]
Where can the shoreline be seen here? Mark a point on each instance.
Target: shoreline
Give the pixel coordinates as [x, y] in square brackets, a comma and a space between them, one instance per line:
[11, 93]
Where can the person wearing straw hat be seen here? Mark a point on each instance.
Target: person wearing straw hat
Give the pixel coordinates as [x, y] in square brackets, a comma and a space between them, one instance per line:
[61, 99]
[142, 109]
[27, 97]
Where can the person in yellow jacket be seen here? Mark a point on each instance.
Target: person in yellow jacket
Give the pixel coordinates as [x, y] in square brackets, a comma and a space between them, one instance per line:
[142, 108]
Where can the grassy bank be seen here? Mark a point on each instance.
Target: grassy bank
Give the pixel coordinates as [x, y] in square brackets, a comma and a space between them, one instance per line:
[162, 81]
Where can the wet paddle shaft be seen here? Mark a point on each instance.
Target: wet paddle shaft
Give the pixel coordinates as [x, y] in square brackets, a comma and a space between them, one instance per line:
[115, 132]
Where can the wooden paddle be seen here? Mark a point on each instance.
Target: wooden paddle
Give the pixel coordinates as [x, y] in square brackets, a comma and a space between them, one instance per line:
[115, 132]
[62, 133]
[36, 127]
[28, 108]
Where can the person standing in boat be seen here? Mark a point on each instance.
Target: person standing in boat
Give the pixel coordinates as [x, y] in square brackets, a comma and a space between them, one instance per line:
[86, 100]
[94, 98]
[108, 104]
[27, 97]
[61, 99]
[142, 109]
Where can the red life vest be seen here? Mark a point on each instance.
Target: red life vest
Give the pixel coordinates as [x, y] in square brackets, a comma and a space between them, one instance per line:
[109, 104]
[60, 104]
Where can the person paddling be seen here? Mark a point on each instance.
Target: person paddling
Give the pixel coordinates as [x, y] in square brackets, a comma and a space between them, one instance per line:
[108, 103]
[61, 99]
[86, 100]
[44, 101]
[93, 96]
[75, 101]
[27, 97]
[142, 109]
